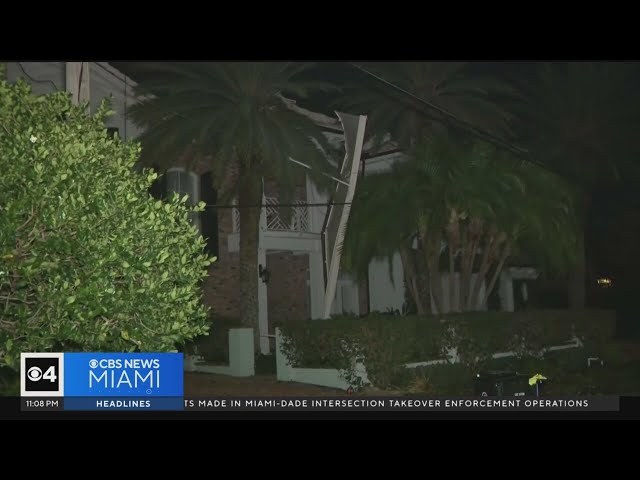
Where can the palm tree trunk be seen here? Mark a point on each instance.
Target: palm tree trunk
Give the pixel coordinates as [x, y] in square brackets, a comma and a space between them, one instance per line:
[422, 278]
[503, 258]
[472, 302]
[578, 274]
[469, 258]
[452, 275]
[472, 237]
[410, 279]
[250, 193]
[432, 253]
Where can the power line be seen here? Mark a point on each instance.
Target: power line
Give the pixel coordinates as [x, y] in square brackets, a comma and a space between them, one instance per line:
[35, 80]
[518, 151]
[260, 205]
[123, 79]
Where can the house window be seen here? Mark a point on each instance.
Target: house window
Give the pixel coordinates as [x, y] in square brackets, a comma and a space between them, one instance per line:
[209, 218]
[198, 188]
[183, 182]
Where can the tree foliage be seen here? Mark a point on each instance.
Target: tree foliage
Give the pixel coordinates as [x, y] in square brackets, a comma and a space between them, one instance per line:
[470, 207]
[581, 118]
[452, 87]
[89, 260]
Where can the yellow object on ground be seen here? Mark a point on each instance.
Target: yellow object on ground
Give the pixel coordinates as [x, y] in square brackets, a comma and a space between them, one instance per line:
[536, 378]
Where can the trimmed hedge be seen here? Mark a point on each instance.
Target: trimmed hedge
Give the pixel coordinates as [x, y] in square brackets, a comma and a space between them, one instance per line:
[384, 344]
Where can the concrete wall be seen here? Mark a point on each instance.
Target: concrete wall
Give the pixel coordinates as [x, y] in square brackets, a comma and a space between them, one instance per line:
[241, 356]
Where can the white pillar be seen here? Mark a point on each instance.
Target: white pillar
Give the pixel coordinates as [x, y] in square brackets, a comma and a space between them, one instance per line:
[506, 292]
[77, 81]
[263, 306]
[354, 128]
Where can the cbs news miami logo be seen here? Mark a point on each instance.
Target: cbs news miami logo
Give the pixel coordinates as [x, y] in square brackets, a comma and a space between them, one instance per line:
[99, 374]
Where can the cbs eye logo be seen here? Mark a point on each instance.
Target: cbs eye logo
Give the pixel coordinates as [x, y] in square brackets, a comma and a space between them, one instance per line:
[35, 374]
[42, 374]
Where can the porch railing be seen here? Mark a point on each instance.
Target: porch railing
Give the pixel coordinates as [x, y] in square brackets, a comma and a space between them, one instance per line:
[298, 221]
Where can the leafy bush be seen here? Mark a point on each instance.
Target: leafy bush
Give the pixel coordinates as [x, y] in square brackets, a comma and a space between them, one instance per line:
[436, 380]
[384, 344]
[88, 259]
[266, 364]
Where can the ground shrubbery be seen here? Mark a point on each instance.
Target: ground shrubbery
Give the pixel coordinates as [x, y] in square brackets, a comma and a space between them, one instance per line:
[384, 344]
[89, 260]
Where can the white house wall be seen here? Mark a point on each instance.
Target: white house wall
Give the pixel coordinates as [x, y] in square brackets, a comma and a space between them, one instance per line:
[105, 81]
[44, 77]
[383, 293]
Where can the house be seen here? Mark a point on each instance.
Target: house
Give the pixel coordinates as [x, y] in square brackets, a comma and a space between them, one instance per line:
[294, 253]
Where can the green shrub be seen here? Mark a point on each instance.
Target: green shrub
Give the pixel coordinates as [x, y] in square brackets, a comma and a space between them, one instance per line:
[88, 259]
[382, 342]
[266, 364]
[434, 380]
[386, 343]
[9, 382]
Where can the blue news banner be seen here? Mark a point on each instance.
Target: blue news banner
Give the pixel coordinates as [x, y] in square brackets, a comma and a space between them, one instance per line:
[102, 381]
[155, 381]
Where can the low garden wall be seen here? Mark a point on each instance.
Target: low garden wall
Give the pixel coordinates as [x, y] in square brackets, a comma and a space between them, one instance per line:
[241, 356]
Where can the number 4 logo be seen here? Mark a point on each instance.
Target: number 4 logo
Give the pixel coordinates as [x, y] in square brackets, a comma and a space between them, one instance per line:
[42, 374]
[50, 374]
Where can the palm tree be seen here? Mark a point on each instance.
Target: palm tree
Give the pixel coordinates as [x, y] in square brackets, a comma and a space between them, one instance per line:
[236, 117]
[473, 207]
[581, 119]
[380, 227]
[459, 88]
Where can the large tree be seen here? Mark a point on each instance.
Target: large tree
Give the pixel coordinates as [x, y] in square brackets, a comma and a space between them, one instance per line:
[88, 260]
[581, 120]
[236, 116]
[473, 208]
[410, 100]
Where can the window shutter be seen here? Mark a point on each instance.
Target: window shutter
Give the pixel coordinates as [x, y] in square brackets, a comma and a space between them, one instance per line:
[209, 217]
